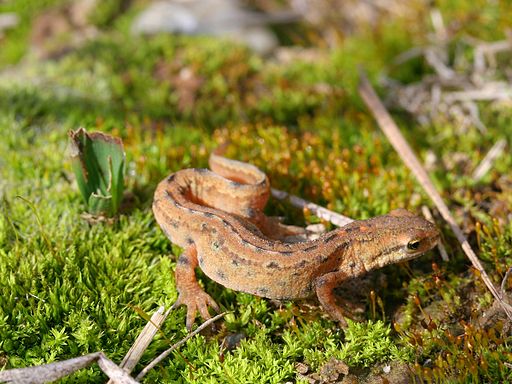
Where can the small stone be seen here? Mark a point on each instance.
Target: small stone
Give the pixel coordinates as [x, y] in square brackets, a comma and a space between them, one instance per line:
[8, 21]
[301, 368]
[332, 370]
[233, 340]
[226, 18]
[350, 379]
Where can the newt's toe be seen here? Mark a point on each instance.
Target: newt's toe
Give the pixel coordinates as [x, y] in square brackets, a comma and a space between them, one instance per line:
[198, 301]
[338, 316]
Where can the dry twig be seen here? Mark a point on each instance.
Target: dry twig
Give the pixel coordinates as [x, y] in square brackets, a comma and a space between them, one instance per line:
[317, 210]
[145, 337]
[50, 372]
[504, 282]
[396, 139]
[486, 164]
[166, 353]
[457, 84]
[440, 246]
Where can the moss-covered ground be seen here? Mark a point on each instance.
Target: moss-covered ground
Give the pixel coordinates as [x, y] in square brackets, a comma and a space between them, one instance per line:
[69, 287]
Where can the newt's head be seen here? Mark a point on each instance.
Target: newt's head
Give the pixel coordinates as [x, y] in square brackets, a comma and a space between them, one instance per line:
[393, 238]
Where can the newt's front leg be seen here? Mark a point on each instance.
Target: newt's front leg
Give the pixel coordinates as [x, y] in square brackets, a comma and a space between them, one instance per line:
[190, 293]
[324, 286]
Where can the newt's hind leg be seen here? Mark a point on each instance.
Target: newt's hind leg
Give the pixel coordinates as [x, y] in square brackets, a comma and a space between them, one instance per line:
[190, 293]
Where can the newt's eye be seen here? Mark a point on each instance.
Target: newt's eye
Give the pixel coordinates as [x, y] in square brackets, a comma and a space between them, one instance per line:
[413, 245]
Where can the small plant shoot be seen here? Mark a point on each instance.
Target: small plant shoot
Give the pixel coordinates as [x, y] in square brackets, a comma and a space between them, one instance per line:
[98, 163]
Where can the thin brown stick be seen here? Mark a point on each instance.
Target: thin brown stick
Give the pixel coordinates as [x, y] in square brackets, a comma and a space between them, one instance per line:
[396, 139]
[166, 353]
[504, 281]
[317, 210]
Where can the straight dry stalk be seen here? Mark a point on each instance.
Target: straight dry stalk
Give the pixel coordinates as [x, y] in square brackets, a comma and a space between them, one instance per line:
[318, 211]
[142, 342]
[167, 352]
[486, 164]
[390, 129]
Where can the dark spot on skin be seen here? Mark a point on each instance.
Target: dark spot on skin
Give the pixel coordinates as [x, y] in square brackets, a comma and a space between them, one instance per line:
[239, 260]
[181, 189]
[262, 291]
[171, 178]
[235, 262]
[189, 240]
[310, 248]
[296, 273]
[352, 265]
[272, 265]
[216, 246]
[392, 250]
[286, 253]
[234, 183]
[225, 223]
[206, 228]
[200, 260]
[249, 212]
[258, 249]
[306, 291]
[322, 258]
[208, 214]
[341, 247]
[183, 261]
[330, 238]
[220, 274]
[169, 197]
[245, 243]
[302, 264]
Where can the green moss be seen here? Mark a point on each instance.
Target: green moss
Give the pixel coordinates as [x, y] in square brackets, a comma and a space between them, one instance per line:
[70, 287]
[15, 42]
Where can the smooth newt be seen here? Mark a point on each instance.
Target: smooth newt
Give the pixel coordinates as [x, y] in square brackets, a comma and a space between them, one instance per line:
[217, 217]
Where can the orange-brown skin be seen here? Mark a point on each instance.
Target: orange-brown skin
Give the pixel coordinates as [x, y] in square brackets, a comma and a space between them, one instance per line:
[217, 217]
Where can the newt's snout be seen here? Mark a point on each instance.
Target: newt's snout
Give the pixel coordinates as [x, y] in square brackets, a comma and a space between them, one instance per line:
[400, 237]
